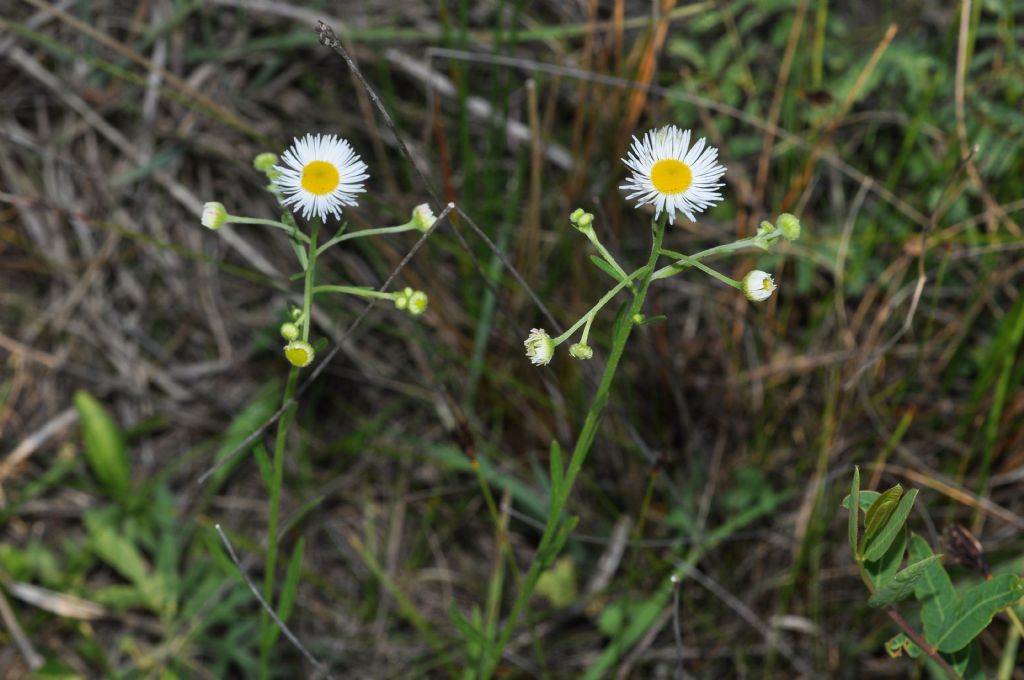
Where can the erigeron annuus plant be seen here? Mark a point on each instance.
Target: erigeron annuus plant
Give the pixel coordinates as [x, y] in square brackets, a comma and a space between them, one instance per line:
[316, 178]
[674, 177]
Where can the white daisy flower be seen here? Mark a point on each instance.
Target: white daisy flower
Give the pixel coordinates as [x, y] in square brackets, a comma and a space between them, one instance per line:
[671, 175]
[319, 174]
[540, 348]
[758, 286]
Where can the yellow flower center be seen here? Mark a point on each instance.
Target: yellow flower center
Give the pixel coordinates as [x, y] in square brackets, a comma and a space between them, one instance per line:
[670, 176]
[297, 356]
[320, 177]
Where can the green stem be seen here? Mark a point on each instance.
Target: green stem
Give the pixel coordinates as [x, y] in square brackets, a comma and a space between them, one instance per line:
[592, 235]
[685, 261]
[707, 270]
[583, 443]
[367, 232]
[600, 303]
[307, 293]
[266, 625]
[291, 231]
[355, 290]
[277, 479]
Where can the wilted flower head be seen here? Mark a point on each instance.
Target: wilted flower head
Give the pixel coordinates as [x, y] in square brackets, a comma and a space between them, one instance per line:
[423, 217]
[319, 174]
[672, 176]
[540, 348]
[214, 215]
[299, 353]
[758, 286]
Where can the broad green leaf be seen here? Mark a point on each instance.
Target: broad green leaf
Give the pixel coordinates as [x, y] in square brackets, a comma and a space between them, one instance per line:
[104, 446]
[893, 525]
[900, 585]
[109, 543]
[878, 514]
[976, 609]
[286, 602]
[557, 471]
[558, 584]
[866, 499]
[934, 590]
[853, 501]
[882, 569]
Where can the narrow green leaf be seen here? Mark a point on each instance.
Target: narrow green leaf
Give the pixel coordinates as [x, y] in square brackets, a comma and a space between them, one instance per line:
[882, 569]
[866, 499]
[934, 590]
[104, 446]
[263, 463]
[601, 264]
[470, 633]
[853, 501]
[900, 585]
[557, 470]
[286, 602]
[254, 414]
[893, 525]
[977, 607]
[878, 514]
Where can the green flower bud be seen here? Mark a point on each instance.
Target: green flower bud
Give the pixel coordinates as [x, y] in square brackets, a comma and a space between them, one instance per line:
[289, 331]
[418, 303]
[265, 161]
[576, 214]
[790, 226]
[581, 350]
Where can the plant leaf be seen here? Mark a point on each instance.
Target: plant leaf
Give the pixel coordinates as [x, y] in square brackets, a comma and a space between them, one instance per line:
[878, 514]
[883, 569]
[601, 264]
[286, 602]
[557, 471]
[900, 585]
[977, 607]
[866, 499]
[104, 446]
[853, 501]
[893, 525]
[934, 590]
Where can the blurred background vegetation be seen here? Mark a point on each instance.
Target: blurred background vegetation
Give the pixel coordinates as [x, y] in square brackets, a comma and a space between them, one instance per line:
[139, 348]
